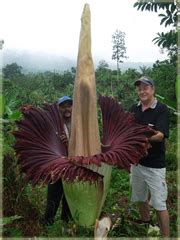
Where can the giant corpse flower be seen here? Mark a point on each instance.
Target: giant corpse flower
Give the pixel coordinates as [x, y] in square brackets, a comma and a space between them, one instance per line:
[86, 167]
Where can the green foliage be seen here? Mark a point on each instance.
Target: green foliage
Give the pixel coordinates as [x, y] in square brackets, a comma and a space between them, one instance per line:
[104, 78]
[178, 90]
[11, 70]
[171, 150]
[170, 8]
[9, 116]
[172, 201]
[164, 74]
[39, 88]
[169, 17]
[167, 40]
[7, 220]
[15, 200]
[126, 91]
[23, 200]
[122, 89]
[13, 232]
[170, 104]
[145, 71]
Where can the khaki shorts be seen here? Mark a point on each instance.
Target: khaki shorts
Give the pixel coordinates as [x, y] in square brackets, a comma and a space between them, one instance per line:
[145, 180]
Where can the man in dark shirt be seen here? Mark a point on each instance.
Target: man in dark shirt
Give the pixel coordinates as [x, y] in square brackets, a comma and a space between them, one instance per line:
[55, 193]
[148, 177]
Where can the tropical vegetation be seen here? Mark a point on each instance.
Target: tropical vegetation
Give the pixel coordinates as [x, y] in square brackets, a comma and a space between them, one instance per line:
[23, 205]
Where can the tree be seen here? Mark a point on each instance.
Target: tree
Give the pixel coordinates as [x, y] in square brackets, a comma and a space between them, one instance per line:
[119, 49]
[171, 8]
[169, 41]
[103, 77]
[146, 71]
[11, 70]
[166, 40]
[102, 65]
[164, 73]
[168, 18]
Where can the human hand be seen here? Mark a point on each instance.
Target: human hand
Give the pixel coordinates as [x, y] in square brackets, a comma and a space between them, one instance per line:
[64, 139]
[105, 148]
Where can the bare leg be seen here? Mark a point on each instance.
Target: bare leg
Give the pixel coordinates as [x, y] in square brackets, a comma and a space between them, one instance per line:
[144, 211]
[163, 220]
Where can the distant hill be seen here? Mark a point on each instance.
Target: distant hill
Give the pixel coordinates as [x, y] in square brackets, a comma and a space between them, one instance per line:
[124, 66]
[37, 61]
[40, 62]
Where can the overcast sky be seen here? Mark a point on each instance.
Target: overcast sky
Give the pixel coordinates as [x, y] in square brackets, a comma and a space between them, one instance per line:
[53, 26]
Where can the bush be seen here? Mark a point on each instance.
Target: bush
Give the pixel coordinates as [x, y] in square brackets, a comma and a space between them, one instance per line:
[171, 150]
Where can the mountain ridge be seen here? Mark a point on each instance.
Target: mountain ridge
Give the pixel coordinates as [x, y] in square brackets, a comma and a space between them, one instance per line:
[36, 61]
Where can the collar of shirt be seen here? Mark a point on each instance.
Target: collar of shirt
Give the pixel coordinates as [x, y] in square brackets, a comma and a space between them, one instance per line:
[66, 131]
[153, 105]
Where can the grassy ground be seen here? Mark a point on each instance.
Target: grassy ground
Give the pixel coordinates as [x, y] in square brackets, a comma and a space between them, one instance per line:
[117, 206]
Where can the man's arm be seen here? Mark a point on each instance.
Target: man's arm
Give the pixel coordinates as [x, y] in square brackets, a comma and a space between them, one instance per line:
[157, 137]
[161, 126]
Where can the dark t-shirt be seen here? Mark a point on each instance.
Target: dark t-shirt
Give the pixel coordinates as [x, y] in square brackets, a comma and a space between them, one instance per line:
[158, 118]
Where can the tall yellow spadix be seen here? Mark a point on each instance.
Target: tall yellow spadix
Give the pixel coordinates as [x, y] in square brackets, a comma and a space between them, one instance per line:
[84, 139]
